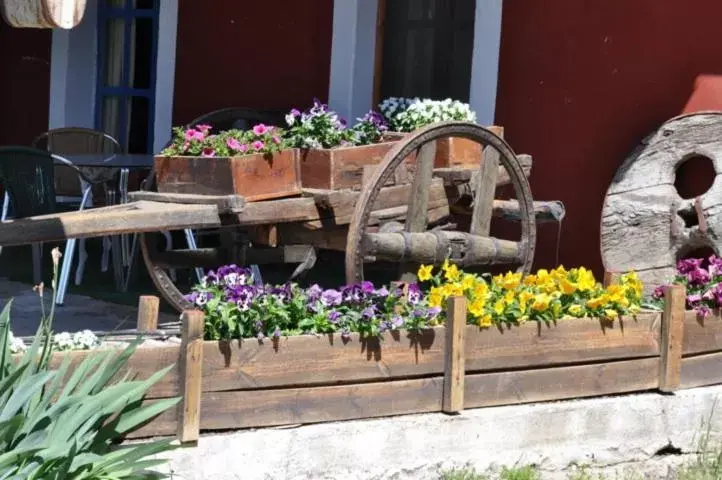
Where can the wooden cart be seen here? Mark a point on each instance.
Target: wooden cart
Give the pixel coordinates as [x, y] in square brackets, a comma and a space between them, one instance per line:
[408, 213]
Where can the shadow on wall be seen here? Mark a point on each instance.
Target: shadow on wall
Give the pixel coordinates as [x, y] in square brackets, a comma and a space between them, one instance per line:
[581, 83]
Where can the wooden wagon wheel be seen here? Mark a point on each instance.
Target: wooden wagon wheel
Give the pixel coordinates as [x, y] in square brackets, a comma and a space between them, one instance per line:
[414, 243]
[646, 225]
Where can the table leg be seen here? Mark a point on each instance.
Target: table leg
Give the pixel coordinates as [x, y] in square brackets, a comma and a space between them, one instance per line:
[115, 249]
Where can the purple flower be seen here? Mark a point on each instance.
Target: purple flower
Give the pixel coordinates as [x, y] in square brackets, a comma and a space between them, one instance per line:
[331, 297]
[333, 316]
[282, 294]
[369, 312]
[397, 321]
[382, 292]
[688, 265]
[276, 333]
[314, 292]
[243, 295]
[383, 326]
[191, 297]
[367, 287]
[698, 277]
[715, 265]
[702, 311]
[658, 292]
[260, 335]
[202, 298]
[414, 294]
[352, 293]
[694, 298]
[295, 112]
[210, 279]
[345, 335]
[433, 312]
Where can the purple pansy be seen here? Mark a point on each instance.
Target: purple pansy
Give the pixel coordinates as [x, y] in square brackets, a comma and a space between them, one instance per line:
[331, 297]
[415, 295]
[333, 316]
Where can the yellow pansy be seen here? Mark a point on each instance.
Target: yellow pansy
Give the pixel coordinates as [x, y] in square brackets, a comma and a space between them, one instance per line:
[452, 273]
[476, 308]
[585, 279]
[511, 280]
[530, 280]
[468, 282]
[424, 272]
[541, 302]
[567, 287]
[609, 313]
[485, 321]
[453, 290]
[597, 302]
[499, 307]
[557, 309]
[509, 296]
[481, 289]
[575, 310]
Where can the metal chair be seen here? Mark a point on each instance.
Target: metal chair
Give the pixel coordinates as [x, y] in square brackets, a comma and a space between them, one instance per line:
[80, 140]
[28, 175]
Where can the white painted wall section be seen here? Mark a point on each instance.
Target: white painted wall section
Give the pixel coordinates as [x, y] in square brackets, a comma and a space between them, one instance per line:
[485, 60]
[165, 72]
[353, 52]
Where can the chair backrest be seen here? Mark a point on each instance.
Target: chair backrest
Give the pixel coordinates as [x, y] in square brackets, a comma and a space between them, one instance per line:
[238, 118]
[76, 141]
[29, 178]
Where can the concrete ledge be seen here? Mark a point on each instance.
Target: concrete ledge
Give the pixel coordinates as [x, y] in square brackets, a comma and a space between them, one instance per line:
[601, 432]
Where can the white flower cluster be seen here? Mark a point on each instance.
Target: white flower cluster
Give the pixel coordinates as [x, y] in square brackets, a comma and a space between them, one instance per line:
[16, 344]
[85, 340]
[408, 114]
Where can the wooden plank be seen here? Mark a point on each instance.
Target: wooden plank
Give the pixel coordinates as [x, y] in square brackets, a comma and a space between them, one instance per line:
[525, 386]
[610, 278]
[418, 202]
[191, 373]
[142, 364]
[225, 203]
[485, 190]
[261, 408]
[453, 401]
[701, 370]
[148, 307]
[164, 425]
[701, 335]
[133, 217]
[297, 209]
[323, 360]
[670, 361]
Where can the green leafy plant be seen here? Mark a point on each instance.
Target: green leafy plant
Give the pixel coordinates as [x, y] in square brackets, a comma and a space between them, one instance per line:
[63, 424]
[198, 141]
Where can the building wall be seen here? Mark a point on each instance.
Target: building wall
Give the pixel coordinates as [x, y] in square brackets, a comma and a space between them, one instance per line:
[582, 82]
[273, 54]
[24, 83]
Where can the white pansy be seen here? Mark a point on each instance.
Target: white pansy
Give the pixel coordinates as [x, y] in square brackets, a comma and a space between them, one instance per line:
[63, 341]
[16, 344]
[85, 340]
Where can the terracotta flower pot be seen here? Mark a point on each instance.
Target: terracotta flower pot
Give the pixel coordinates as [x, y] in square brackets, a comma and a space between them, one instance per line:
[256, 177]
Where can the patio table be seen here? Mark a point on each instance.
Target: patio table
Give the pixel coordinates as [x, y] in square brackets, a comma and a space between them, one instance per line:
[102, 168]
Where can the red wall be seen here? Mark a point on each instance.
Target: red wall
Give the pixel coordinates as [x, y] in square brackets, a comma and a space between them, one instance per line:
[24, 83]
[273, 54]
[582, 82]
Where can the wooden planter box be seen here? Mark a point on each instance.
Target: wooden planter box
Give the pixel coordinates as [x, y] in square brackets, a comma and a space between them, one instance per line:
[309, 379]
[455, 152]
[339, 168]
[256, 177]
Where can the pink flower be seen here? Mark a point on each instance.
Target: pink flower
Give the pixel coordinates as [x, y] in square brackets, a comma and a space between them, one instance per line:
[186, 146]
[243, 148]
[192, 134]
[260, 129]
[204, 128]
[233, 144]
[276, 139]
[258, 145]
[208, 152]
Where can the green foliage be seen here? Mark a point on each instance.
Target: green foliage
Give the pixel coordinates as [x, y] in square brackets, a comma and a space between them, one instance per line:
[526, 472]
[63, 424]
[467, 473]
[199, 141]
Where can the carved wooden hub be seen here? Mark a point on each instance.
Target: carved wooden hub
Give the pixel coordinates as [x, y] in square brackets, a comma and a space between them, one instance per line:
[43, 13]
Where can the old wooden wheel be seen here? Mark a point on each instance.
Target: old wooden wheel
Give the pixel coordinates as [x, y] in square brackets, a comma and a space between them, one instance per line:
[412, 242]
[646, 224]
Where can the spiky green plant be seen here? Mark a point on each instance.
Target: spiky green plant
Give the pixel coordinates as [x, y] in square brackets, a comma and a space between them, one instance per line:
[60, 425]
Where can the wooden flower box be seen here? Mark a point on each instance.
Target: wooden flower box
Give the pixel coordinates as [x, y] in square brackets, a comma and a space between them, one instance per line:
[341, 167]
[256, 177]
[455, 152]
